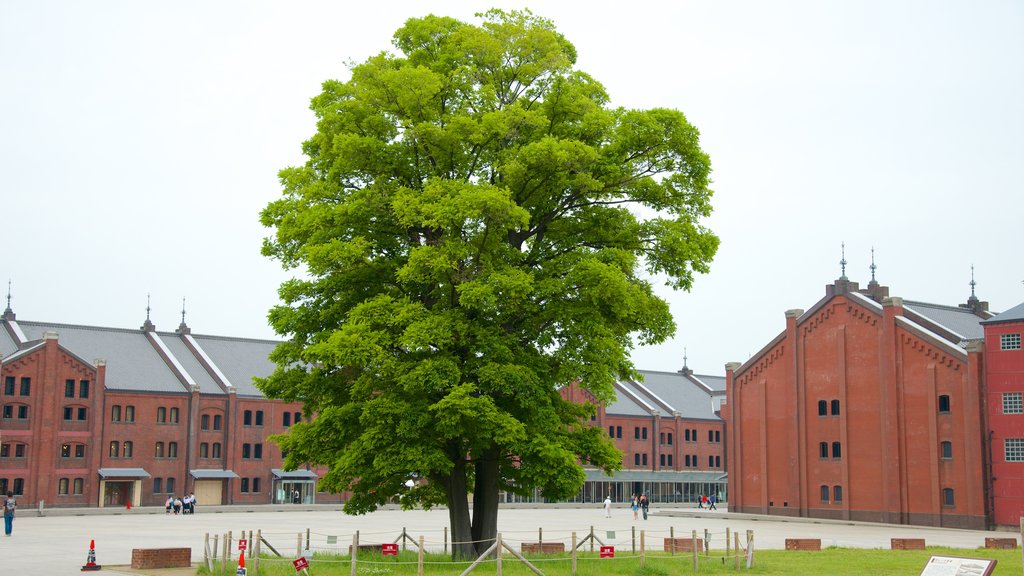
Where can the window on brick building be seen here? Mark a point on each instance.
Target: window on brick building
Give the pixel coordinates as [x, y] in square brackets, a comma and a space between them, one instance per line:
[83, 413]
[948, 497]
[65, 450]
[1013, 403]
[255, 485]
[718, 435]
[643, 459]
[127, 448]
[247, 418]
[611, 430]
[69, 413]
[636, 459]
[173, 418]
[1009, 341]
[8, 411]
[204, 450]
[76, 486]
[711, 435]
[22, 412]
[26, 386]
[115, 413]
[837, 494]
[8, 391]
[618, 429]
[835, 407]
[686, 434]
[79, 450]
[172, 449]
[287, 420]
[661, 439]
[215, 450]
[257, 451]
[825, 493]
[823, 450]
[711, 461]
[245, 486]
[115, 449]
[718, 461]
[661, 460]
[636, 433]
[947, 450]
[670, 460]
[259, 417]
[158, 450]
[216, 421]
[822, 408]
[837, 450]
[246, 451]
[157, 485]
[63, 486]
[161, 414]
[83, 389]
[129, 413]
[204, 422]
[3, 486]
[1013, 449]
[19, 487]
[69, 391]
[297, 417]
[169, 485]
[643, 432]
[944, 404]
[669, 438]
[20, 450]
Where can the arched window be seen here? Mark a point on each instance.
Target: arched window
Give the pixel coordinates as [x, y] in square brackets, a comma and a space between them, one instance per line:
[172, 449]
[129, 413]
[947, 450]
[947, 497]
[127, 449]
[823, 410]
[115, 448]
[204, 450]
[204, 422]
[170, 485]
[944, 404]
[157, 485]
[837, 494]
[174, 416]
[824, 494]
[215, 450]
[161, 414]
[837, 450]
[115, 413]
[835, 407]
[823, 450]
[77, 486]
[159, 453]
[64, 484]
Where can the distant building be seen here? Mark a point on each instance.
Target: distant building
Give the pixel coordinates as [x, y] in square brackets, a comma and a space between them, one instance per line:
[106, 417]
[871, 407]
[670, 434]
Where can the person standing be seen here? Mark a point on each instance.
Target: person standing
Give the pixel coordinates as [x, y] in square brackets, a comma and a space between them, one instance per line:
[635, 506]
[10, 505]
[644, 504]
[607, 506]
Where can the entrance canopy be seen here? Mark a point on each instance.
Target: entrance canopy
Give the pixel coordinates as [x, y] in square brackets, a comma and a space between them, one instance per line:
[213, 474]
[107, 473]
[294, 474]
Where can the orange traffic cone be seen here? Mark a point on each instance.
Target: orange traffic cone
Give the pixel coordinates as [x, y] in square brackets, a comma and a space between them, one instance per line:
[90, 559]
[241, 564]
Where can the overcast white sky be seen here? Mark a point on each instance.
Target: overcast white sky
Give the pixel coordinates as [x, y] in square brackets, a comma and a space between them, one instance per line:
[140, 140]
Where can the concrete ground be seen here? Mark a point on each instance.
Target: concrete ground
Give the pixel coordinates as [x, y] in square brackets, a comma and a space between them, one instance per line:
[57, 543]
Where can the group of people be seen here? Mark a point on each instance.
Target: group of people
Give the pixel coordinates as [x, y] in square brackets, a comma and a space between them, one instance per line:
[186, 505]
[705, 501]
[640, 503]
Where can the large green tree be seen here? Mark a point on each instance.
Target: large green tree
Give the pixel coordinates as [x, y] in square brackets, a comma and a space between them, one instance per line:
[471, 233]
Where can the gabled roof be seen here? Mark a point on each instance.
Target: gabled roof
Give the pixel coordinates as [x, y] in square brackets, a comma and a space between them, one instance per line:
[960, 321]
[188, 361]
[628, 402]
[132, 362]
[1015, 314]
[240, 360]
[682, 395]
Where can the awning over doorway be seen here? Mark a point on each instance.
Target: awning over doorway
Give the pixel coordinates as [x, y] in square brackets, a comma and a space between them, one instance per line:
[107, 473]
[213, 474]
[294, 474]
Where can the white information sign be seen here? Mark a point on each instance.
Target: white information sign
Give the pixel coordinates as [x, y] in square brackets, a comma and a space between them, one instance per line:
[952, 566]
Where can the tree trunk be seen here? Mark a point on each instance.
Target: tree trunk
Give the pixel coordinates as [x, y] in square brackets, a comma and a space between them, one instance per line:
[485, 501]
[458, 513]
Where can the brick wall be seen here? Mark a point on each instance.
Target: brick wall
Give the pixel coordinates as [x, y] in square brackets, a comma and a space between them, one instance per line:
[146, 558]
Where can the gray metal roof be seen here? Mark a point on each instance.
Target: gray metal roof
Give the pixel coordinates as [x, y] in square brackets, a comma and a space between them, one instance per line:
[132, 362]
[278, 473]
[716, 383]
[7, 345]
[960, 321]
[188, 361]
[624, 405]
[682, 395]
[240, 360]
[123, 473]
[212, 474]
[1012, 315]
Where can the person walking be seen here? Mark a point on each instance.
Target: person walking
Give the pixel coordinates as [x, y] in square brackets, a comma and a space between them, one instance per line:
[635, 506]
[644, 504]
[711, 502]
[10, 505]
[700, 501]
[607, 506]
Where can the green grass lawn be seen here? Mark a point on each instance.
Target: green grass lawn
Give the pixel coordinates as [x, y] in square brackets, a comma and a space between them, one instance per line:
[875, 562]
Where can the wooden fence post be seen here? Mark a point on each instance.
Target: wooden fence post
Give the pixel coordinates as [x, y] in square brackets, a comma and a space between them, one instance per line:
[750, 548]
[672, 539]
[298, 544]
[256, 550]
[497, 551]
[419, 559]
[446, 540]
[591, 538]
[307, 538]
[693, 545]
[216, 541]
[727, 536]
[403, 538]
[355, 552]
[736, 541]
[643, 549]
[540, 537]
[634, 539]
[707, 542]
[574, 554]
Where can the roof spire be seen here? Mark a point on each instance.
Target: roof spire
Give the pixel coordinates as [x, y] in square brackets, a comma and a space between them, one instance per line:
[183, 328]
[684, 358]
[685, 370]
[842, 263]
[873, 267]
[8, 313]
[973, 283]
[148, 325]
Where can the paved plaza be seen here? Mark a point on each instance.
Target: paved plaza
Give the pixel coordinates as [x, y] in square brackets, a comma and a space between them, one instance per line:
[57, 543]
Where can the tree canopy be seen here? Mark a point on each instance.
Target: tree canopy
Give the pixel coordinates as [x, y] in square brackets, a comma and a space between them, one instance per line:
[475, 228]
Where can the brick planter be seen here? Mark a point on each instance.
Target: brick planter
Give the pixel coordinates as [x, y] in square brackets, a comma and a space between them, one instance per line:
[542, 548]
[1001, 543]
[907, 543]
[146, 558]
[803, 544]
[684, 544]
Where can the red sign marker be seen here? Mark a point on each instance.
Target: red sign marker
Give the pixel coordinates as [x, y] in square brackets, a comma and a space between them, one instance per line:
[300, 564]
[607, 551]
[389, 549]
[243, 544]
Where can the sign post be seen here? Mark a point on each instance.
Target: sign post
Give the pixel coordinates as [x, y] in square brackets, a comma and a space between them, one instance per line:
[389, 549]
[301, 565]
